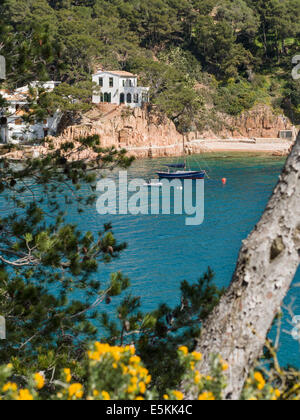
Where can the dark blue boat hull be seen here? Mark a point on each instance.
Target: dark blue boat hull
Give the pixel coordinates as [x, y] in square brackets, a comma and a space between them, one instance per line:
[186, 175]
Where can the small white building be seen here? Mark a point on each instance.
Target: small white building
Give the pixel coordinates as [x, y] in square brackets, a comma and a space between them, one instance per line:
[119, 87]
[13, 128]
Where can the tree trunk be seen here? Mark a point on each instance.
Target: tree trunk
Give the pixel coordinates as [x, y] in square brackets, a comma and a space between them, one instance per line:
[267, 263]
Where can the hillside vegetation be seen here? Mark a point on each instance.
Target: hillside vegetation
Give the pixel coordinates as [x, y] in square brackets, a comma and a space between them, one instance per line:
[198, 56]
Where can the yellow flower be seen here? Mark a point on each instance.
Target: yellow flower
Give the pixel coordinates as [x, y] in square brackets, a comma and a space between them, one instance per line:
[134, 380]
[166, 397]
[102, 348]
[143, 372]
[116, 355]
[115, 366]
[184, 350]
[139, 399]
[148, 379]
[68, 375]
[24, 395]
[39, 380]
[76, 390]
[131, 389]
[125, 369]
[225, 367]
[197, 356]
[94, 355]
[178, 395]
[105, 396]
[197, 378]
[133, 372]
[277, 393]
[134, 359]
[142, 387]
[260, 380]
[9, 387]
[206, 396]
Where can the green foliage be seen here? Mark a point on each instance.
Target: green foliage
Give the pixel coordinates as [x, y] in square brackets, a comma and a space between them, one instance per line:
[117, 373]
[172, 90]
[235, 97]
[48, 276]
[171, 44]
[291, 101]
[230, 54]
[53, 296]
[159, 334]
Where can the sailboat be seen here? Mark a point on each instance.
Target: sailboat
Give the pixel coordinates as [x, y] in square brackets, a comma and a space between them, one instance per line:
[181, 172]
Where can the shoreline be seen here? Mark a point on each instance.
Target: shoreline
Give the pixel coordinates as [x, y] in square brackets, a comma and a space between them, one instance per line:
[275, 147]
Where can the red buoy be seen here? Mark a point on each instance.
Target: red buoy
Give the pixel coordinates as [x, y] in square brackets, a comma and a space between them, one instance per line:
[224, 181]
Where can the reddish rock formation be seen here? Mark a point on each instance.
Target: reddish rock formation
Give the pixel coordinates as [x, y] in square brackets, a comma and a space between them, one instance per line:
[147, 133]
[138, 129]
[260, 122]
[135, 129]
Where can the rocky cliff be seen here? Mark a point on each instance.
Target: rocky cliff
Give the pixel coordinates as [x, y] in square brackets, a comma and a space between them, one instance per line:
[260, 122]
[146, 133]
[142, 132]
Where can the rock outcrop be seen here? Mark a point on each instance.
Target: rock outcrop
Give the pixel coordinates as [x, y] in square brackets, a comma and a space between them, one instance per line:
[146, 133]
[141, 132]
[259, 122]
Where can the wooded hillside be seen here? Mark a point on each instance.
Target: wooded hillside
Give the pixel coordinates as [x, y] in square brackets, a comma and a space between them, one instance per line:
[196, 55]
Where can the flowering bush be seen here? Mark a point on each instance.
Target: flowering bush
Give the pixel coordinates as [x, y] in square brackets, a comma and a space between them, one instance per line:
[117, 373]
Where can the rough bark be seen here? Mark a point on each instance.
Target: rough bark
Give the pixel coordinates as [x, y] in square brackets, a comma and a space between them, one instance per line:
[266, 266]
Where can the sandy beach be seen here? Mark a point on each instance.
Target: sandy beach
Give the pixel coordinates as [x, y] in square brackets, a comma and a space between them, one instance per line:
[276, 147]
[273, 146]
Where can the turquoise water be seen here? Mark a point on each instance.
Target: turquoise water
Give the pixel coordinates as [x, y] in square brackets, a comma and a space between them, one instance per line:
[163, 252]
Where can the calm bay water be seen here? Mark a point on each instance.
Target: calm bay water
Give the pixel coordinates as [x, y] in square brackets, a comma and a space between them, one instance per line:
[162, 251]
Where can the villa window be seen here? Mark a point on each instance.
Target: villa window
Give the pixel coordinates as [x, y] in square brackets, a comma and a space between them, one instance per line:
[145, 97]
[107, 97]
[101, 82]
[129, 98]
[101, 97]
[111, 82]
[136, 98]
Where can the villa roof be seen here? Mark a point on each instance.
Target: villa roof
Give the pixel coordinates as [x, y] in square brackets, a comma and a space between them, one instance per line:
[12, 96]
[120, 73]
[23, 93]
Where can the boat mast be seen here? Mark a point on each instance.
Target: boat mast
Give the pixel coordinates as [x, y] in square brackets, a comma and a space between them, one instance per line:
[184, 154]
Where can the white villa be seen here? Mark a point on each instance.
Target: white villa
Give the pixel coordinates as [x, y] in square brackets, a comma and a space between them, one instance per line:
[115, 87]
[13, 128]
[119, 87]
